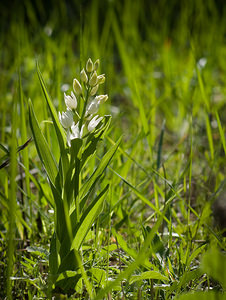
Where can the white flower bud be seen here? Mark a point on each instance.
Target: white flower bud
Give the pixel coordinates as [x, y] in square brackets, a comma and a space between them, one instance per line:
[94, 90]
[96, 65]
[101, 99]
[66, 119]
[77, 87]
[93, 79]
[83, 76]
[101, 79]
[94, 122]
[89, 65]
[70, 101]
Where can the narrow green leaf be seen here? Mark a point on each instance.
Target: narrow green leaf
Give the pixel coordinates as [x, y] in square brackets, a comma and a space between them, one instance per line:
[4, 149]
[131, 252]
[42, 146]
[87, 219]
[210, 137]
[195, 254]
[61, 222]
[99, 276]
[148, 275]
[123, 244]
[160, 145]
[185, 279]
[59, 129]
[202, 89]
[61, 135]
[69, 262]
[24, 138]
[221, 132]
[11, 232]
[94, 138]
[67, 281]
[53, 259]
[99, 170]
[70, 183]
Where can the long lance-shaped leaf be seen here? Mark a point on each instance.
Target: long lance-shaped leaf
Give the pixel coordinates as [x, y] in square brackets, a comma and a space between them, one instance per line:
[87, 220]
[53, 259]
[42, 146]
[99, 170]
[58, 128]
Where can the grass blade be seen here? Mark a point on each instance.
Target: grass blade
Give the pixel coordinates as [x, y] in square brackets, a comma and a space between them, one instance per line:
[160, 145]
[12, 204]
[221, 132]
[210, 137]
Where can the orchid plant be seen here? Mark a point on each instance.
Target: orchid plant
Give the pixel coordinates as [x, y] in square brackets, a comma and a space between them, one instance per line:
[76, 203]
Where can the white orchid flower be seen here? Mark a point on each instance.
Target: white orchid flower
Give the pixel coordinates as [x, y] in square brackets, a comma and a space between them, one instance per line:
[94, 122]
[92, 107]
[70, 101]
[75, 133]
[66, 118]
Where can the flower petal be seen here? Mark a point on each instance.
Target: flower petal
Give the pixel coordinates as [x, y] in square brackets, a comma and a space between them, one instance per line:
[92, 108]
[70, 101]
[94, 122]
[66, 118]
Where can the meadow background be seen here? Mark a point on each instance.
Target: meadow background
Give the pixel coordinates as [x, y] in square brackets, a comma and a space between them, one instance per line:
[165, 68]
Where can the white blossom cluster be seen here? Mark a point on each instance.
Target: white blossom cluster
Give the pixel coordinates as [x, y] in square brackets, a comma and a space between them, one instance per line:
[84, 94]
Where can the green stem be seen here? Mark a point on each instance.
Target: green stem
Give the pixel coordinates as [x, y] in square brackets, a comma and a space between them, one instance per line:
[84, 109]
[77, 177]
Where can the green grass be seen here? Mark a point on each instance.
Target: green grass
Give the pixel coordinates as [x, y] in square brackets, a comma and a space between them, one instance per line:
[159, 233]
